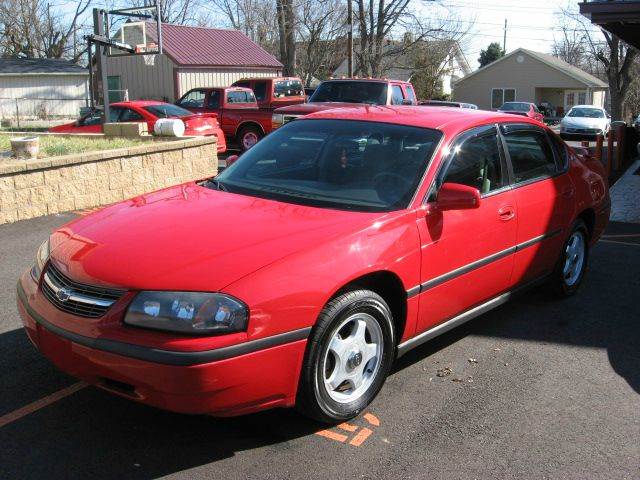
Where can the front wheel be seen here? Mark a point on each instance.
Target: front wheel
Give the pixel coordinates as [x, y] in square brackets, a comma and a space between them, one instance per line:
[349, 355]
[572, 264]
[248, 137]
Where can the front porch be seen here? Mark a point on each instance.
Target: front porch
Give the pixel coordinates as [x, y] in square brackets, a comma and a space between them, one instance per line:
[560, 100]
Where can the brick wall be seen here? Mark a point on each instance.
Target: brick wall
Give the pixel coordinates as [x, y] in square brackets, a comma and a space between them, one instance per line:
[44, 186]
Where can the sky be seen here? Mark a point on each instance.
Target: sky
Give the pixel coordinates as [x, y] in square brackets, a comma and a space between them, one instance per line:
[530, 24]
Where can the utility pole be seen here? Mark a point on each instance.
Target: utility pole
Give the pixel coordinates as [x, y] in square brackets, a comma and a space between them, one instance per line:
[350, 38]
[504, 39]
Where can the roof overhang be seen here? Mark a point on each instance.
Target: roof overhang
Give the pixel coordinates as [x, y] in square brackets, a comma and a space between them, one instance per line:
[44, 74]
[619, 17]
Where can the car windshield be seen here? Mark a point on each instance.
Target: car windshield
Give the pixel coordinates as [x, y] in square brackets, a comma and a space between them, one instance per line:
[373, 93]
[342, 164]
[167, 110]
[586, 113]
[288, 88]
[515, 106]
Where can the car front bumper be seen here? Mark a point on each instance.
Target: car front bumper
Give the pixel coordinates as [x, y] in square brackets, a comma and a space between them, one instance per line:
[185, 382]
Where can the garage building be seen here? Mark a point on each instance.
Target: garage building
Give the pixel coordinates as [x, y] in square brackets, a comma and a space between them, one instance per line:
[38, 88]
[192, 57]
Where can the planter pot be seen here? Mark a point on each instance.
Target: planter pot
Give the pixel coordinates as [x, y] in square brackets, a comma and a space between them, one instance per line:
[25, 147]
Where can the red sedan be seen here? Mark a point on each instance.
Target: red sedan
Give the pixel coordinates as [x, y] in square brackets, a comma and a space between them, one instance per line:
[148, 111]
[525, 109]
[298, 275]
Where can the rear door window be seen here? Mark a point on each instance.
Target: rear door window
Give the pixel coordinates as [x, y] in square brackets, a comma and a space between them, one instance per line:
[396, 95]
[235, 97]
[530, 154]
[214, 99]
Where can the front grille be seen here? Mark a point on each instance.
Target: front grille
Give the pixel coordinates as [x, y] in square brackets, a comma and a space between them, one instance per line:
[77, 298]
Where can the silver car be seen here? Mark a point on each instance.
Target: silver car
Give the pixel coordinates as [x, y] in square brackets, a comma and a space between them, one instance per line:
[585, 121]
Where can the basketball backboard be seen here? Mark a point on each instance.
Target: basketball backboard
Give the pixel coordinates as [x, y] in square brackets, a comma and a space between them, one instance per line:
[142, 31]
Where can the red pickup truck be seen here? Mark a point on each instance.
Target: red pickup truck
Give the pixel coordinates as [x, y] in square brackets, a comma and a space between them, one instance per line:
[349, 92]
[272, 93]
[238, 114]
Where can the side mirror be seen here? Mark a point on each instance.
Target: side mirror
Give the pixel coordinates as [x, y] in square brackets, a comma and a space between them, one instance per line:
[232, 159]
[454, 196]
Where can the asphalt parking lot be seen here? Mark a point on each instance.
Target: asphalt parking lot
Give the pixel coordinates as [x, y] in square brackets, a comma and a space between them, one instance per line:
[535, 389]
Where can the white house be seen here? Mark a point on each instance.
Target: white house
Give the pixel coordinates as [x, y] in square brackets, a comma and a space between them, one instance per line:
[42, 88]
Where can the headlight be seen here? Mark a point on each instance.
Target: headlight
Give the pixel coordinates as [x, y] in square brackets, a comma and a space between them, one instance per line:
[41, 258]
[277, 119]
[188, 312]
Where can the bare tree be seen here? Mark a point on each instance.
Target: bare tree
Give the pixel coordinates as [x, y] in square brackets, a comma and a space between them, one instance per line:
[33, 29]
[287, 35]
[378, 19]
[614, 57]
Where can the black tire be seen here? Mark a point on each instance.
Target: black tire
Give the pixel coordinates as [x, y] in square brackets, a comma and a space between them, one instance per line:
[313, 399]
[245, 133]
[558, 282]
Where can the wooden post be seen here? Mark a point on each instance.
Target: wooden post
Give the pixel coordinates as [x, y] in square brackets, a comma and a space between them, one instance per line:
[609, 151]
[620, 146]
[599, 143]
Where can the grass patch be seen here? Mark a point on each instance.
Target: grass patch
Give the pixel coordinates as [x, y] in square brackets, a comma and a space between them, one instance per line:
[53, 146]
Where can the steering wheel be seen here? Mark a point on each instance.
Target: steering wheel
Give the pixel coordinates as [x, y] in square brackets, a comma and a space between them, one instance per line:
[390, 186]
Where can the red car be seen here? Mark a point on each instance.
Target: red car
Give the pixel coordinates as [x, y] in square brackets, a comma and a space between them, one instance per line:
[525, 109]
[236, 109]
[147, 111]
[297, 276]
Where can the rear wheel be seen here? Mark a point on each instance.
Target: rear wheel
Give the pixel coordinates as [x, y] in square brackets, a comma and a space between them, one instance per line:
[248, 136]
[572, 264]
[349, 355]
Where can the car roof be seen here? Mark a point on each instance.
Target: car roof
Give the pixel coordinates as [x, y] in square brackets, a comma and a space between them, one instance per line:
[426, 116]
[356, 79]
[139, 103]
[588, 106]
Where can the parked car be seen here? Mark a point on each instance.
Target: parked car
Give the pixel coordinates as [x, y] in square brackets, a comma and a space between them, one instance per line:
[443, 103]
[349, 92]
[237, 110]
[272, 93]
[525, 109]
[585, 121]
[147, 111]
[297, 276]
[636, 124]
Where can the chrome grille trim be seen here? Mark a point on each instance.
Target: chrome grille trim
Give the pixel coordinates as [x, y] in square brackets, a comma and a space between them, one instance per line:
[77, 298]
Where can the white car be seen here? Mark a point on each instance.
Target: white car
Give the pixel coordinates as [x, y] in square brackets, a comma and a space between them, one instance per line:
[585, 121]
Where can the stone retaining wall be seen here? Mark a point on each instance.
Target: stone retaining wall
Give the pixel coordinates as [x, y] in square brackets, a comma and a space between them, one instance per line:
[43, 186]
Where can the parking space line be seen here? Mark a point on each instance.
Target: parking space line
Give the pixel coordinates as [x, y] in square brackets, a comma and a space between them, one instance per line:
[621, 243]
[38, 404]
[372, 419]
[338, 437]
[362, 435]
[347, 427]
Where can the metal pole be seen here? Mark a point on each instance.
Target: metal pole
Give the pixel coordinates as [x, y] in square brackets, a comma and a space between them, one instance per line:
[17, 114]
[159, 19]
[101, 62]
[92, 101]
[350, 38]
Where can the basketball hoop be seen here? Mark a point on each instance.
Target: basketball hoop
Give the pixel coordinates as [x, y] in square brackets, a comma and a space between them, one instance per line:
[150, 59]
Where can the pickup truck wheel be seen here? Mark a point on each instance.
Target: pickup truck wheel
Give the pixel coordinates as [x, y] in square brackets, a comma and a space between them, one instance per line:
[349, 355]
[248, 137]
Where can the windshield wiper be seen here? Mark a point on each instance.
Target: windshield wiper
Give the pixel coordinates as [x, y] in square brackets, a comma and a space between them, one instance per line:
[215, 185]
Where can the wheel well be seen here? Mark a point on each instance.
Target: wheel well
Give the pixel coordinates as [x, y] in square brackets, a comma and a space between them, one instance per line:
[389, 286]
[249, 124]
[588, 216]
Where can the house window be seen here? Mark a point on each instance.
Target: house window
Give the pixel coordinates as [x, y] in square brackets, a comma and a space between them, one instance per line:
[582, 98]
[501, 95]
[571, 100]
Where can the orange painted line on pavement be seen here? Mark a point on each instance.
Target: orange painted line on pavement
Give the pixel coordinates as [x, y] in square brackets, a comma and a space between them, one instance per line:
[360, 437]
[348, 427]
[372, 419]
[332, 435]
[38, 404]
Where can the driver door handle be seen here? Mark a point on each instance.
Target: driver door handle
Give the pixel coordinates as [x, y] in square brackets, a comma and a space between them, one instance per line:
[506, 213]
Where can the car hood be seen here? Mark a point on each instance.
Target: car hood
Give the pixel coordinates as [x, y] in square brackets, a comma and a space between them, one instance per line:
[580, 122]
[190, 237]
[307, 108]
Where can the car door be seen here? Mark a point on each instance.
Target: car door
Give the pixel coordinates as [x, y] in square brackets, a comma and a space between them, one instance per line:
[467, 255]
[544, 196]
[193, 100]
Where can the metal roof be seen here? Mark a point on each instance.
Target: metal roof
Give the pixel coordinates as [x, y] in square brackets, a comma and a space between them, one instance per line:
[39, 66]
[200, 46]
